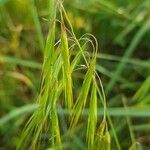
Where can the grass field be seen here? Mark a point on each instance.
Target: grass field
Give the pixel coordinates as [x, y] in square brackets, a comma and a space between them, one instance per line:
[75, 74]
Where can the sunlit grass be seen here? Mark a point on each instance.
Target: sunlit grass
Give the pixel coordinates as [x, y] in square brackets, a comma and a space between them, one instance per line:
[57, 87]
[51, 95]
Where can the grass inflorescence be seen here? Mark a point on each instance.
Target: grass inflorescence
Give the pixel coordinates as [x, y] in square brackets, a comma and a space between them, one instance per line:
[59, 68]
[48, 55]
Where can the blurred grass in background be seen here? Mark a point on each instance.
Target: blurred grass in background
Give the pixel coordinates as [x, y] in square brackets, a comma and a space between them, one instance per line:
[122, 29]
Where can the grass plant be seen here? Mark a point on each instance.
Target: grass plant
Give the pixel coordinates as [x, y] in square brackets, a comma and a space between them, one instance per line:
[57, 88]
[55, 79]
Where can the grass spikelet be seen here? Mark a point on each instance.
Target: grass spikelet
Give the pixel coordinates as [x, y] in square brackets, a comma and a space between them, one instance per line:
[74, 36]
[102, 141]
[92, 119]
[107, 140]
[81, 100]
[66, 66]
[46, 99]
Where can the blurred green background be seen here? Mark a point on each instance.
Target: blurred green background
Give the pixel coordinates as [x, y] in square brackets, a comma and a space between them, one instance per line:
[122, 29]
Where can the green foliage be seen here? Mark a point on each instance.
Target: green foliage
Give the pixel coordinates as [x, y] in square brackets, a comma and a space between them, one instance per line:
[57, 81]
[61, 72]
